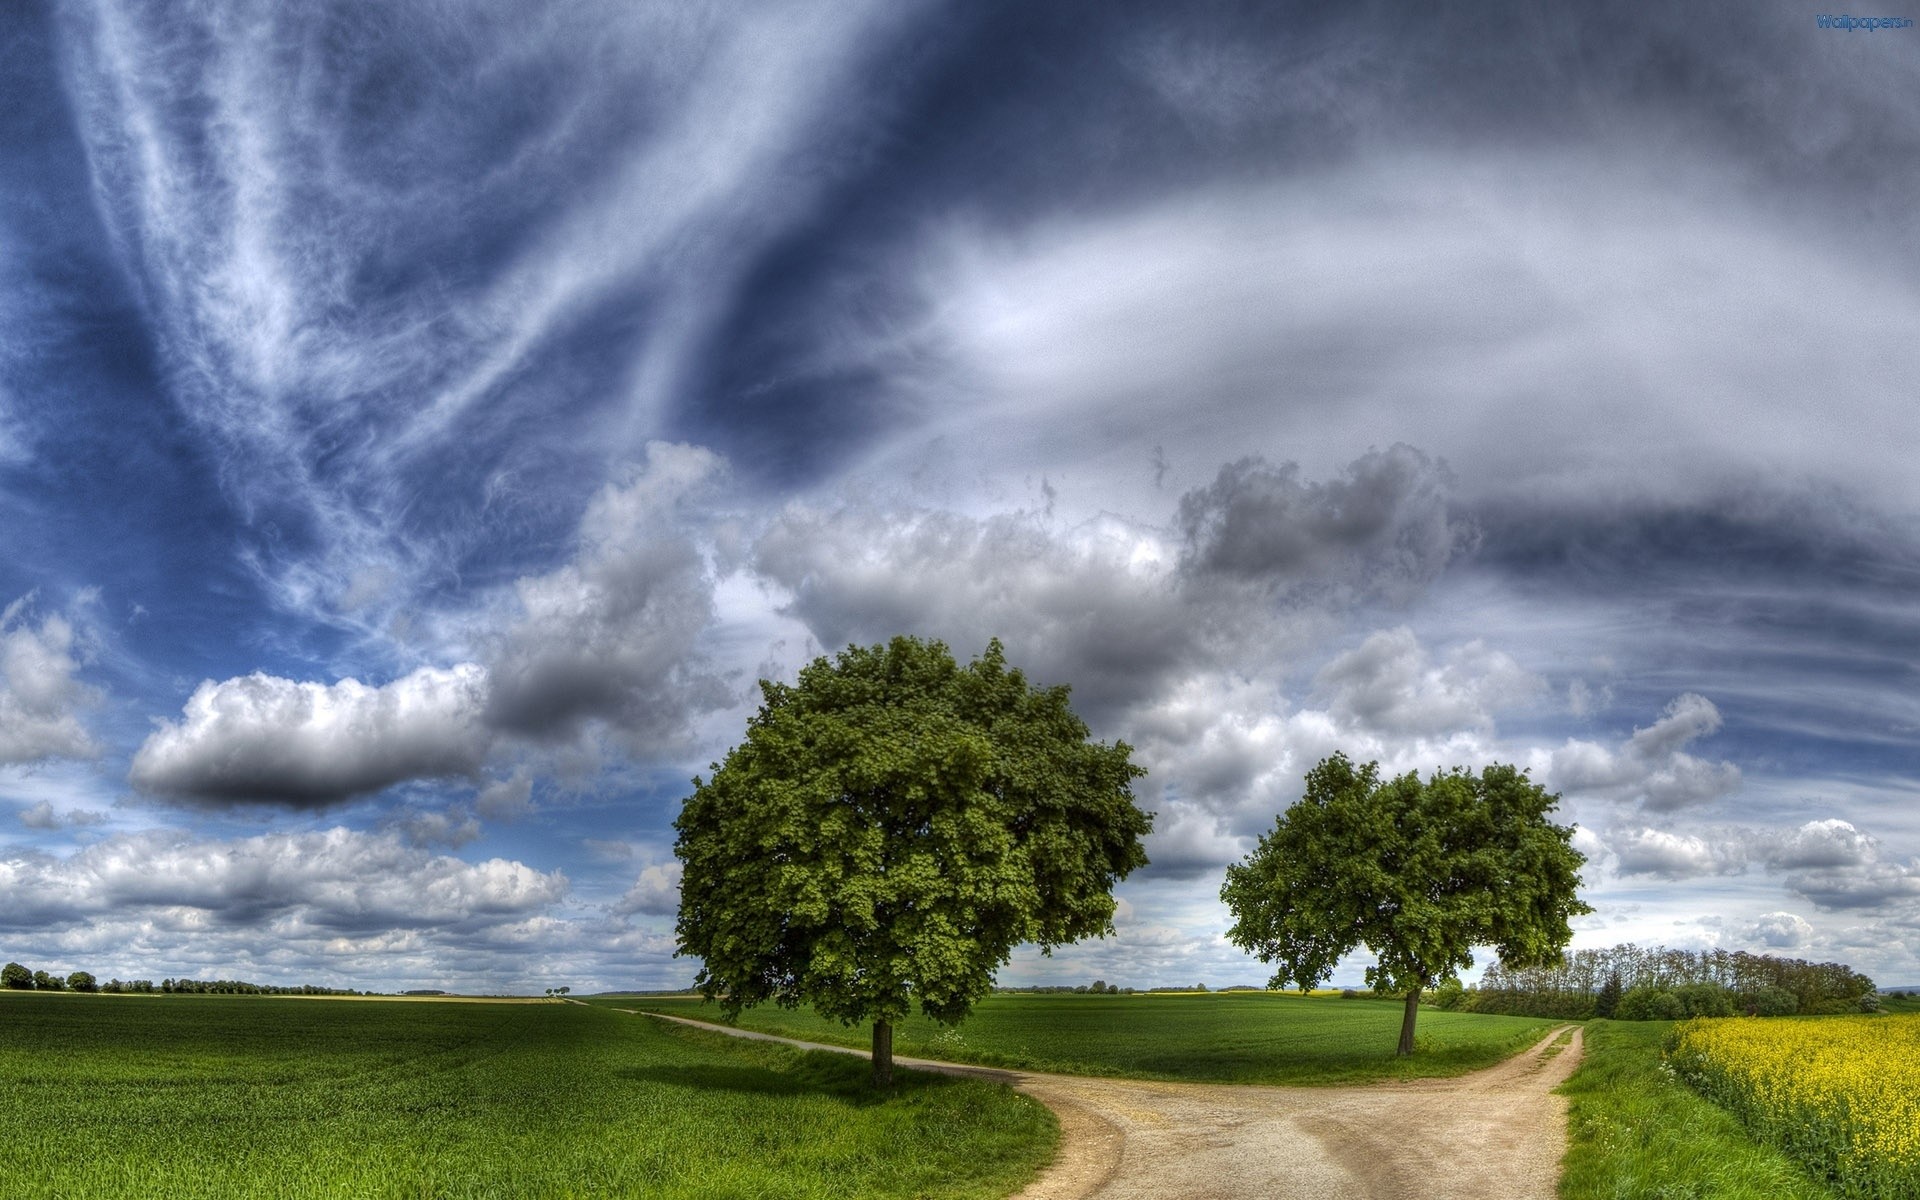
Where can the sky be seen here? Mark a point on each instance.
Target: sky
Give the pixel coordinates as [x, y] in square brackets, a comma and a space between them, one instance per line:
[422, 425]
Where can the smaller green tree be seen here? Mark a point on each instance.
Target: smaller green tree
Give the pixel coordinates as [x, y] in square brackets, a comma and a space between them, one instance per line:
[82, 981]
[1417, 872]
[45, 982]
[15, 976]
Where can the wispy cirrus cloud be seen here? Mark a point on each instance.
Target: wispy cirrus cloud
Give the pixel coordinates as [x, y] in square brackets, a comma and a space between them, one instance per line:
[264, 221]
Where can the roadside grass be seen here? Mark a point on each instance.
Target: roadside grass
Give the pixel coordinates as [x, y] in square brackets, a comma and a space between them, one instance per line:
[1636, 1132]
[217, 1096]
[1219, 1037]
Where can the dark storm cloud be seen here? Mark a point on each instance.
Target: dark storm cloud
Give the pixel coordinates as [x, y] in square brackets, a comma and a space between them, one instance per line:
[1121, 609]
[1380, 528]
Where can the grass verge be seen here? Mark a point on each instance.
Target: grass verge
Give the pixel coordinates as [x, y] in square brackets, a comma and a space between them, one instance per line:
[1636, 1132]
[1232, 1037]
[216, 1096]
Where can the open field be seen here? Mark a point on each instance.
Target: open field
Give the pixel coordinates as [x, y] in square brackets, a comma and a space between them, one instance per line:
[219, 1096]
[1220, 1037]
[1839, 1094]
[1636, 1130]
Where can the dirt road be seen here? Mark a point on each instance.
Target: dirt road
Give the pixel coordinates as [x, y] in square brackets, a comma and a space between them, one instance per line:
[1497, 1134]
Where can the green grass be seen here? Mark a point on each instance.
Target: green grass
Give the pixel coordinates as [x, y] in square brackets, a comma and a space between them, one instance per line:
[217, 1096]
[1233, 1037]
[1638, 1133]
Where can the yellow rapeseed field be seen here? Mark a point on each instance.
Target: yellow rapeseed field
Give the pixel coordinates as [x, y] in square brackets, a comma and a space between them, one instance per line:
[1842, 1094]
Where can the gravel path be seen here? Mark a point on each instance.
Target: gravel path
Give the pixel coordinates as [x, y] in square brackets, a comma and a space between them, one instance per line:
[1497, 1134]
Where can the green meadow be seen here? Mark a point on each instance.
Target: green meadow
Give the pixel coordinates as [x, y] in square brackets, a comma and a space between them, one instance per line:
[1219, 1037]
[111, 1096]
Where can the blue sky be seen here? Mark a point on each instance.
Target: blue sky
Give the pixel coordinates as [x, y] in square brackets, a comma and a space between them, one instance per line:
[420, 428]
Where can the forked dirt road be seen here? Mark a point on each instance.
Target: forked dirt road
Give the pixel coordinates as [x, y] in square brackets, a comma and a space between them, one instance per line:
[1497, 1134]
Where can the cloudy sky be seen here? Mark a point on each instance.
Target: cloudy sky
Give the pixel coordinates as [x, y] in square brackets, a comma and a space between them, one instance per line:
[420, 426]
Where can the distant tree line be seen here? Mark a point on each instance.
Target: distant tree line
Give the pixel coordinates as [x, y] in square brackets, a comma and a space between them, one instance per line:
[1630, 982]
[19, 978]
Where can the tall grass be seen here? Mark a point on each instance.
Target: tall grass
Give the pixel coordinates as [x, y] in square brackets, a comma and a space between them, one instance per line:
[213, 1096]
[1637, 1132]
[1231, 1037]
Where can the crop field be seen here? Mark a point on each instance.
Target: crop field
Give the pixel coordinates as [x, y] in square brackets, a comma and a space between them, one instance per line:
[244, 1096]
[1636, 1130]
[1840, 1094]
[1222, 1037]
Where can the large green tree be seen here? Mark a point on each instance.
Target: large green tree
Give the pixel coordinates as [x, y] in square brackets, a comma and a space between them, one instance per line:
[890, 828]
[1419, 872]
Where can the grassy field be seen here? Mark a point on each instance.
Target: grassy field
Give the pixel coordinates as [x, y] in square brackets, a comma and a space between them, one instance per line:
[1638, 1133]
[1224, 1037]
[218, 1096]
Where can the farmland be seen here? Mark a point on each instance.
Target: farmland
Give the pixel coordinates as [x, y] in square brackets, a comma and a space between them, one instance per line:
[1841, 1094]
[1635, 1129]
[130, 1096]
[1224, 1037]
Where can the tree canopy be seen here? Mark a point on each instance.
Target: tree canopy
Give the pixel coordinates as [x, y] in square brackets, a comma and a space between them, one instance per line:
[1417, 872]
[890, 828]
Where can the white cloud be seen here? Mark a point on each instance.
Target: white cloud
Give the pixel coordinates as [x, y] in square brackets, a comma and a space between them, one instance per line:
[1781, 931]
[1390, 685]
[43, 816]
[40, 693]
[1484, 298]
[306, 885]
[1651, 767]
[1094, 606]
[656, 892]
[506, 799]
[610, 635]
[262, 738]
[1669, 855]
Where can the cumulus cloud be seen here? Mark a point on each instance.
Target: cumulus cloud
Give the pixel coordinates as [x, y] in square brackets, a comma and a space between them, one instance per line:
[1389, 684]
[1190, 842]
[1257, 563]
[1670, 855]
[1095, 606]
[452, 827]
[609, 636]
[1382, 526]
[44, 816]
[328, 883]
[1652, 767]
[264, 739]
[1836, 866]
[1226, 753]
[1829, 862]
[41, 695]
[1781, 931]
[655, 893]
[506, 799]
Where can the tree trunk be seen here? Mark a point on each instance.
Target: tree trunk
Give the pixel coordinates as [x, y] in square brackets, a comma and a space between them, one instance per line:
[1406, 1023]
[882, 1055]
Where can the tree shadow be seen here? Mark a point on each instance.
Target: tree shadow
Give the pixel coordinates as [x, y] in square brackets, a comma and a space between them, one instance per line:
[830, 1076]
